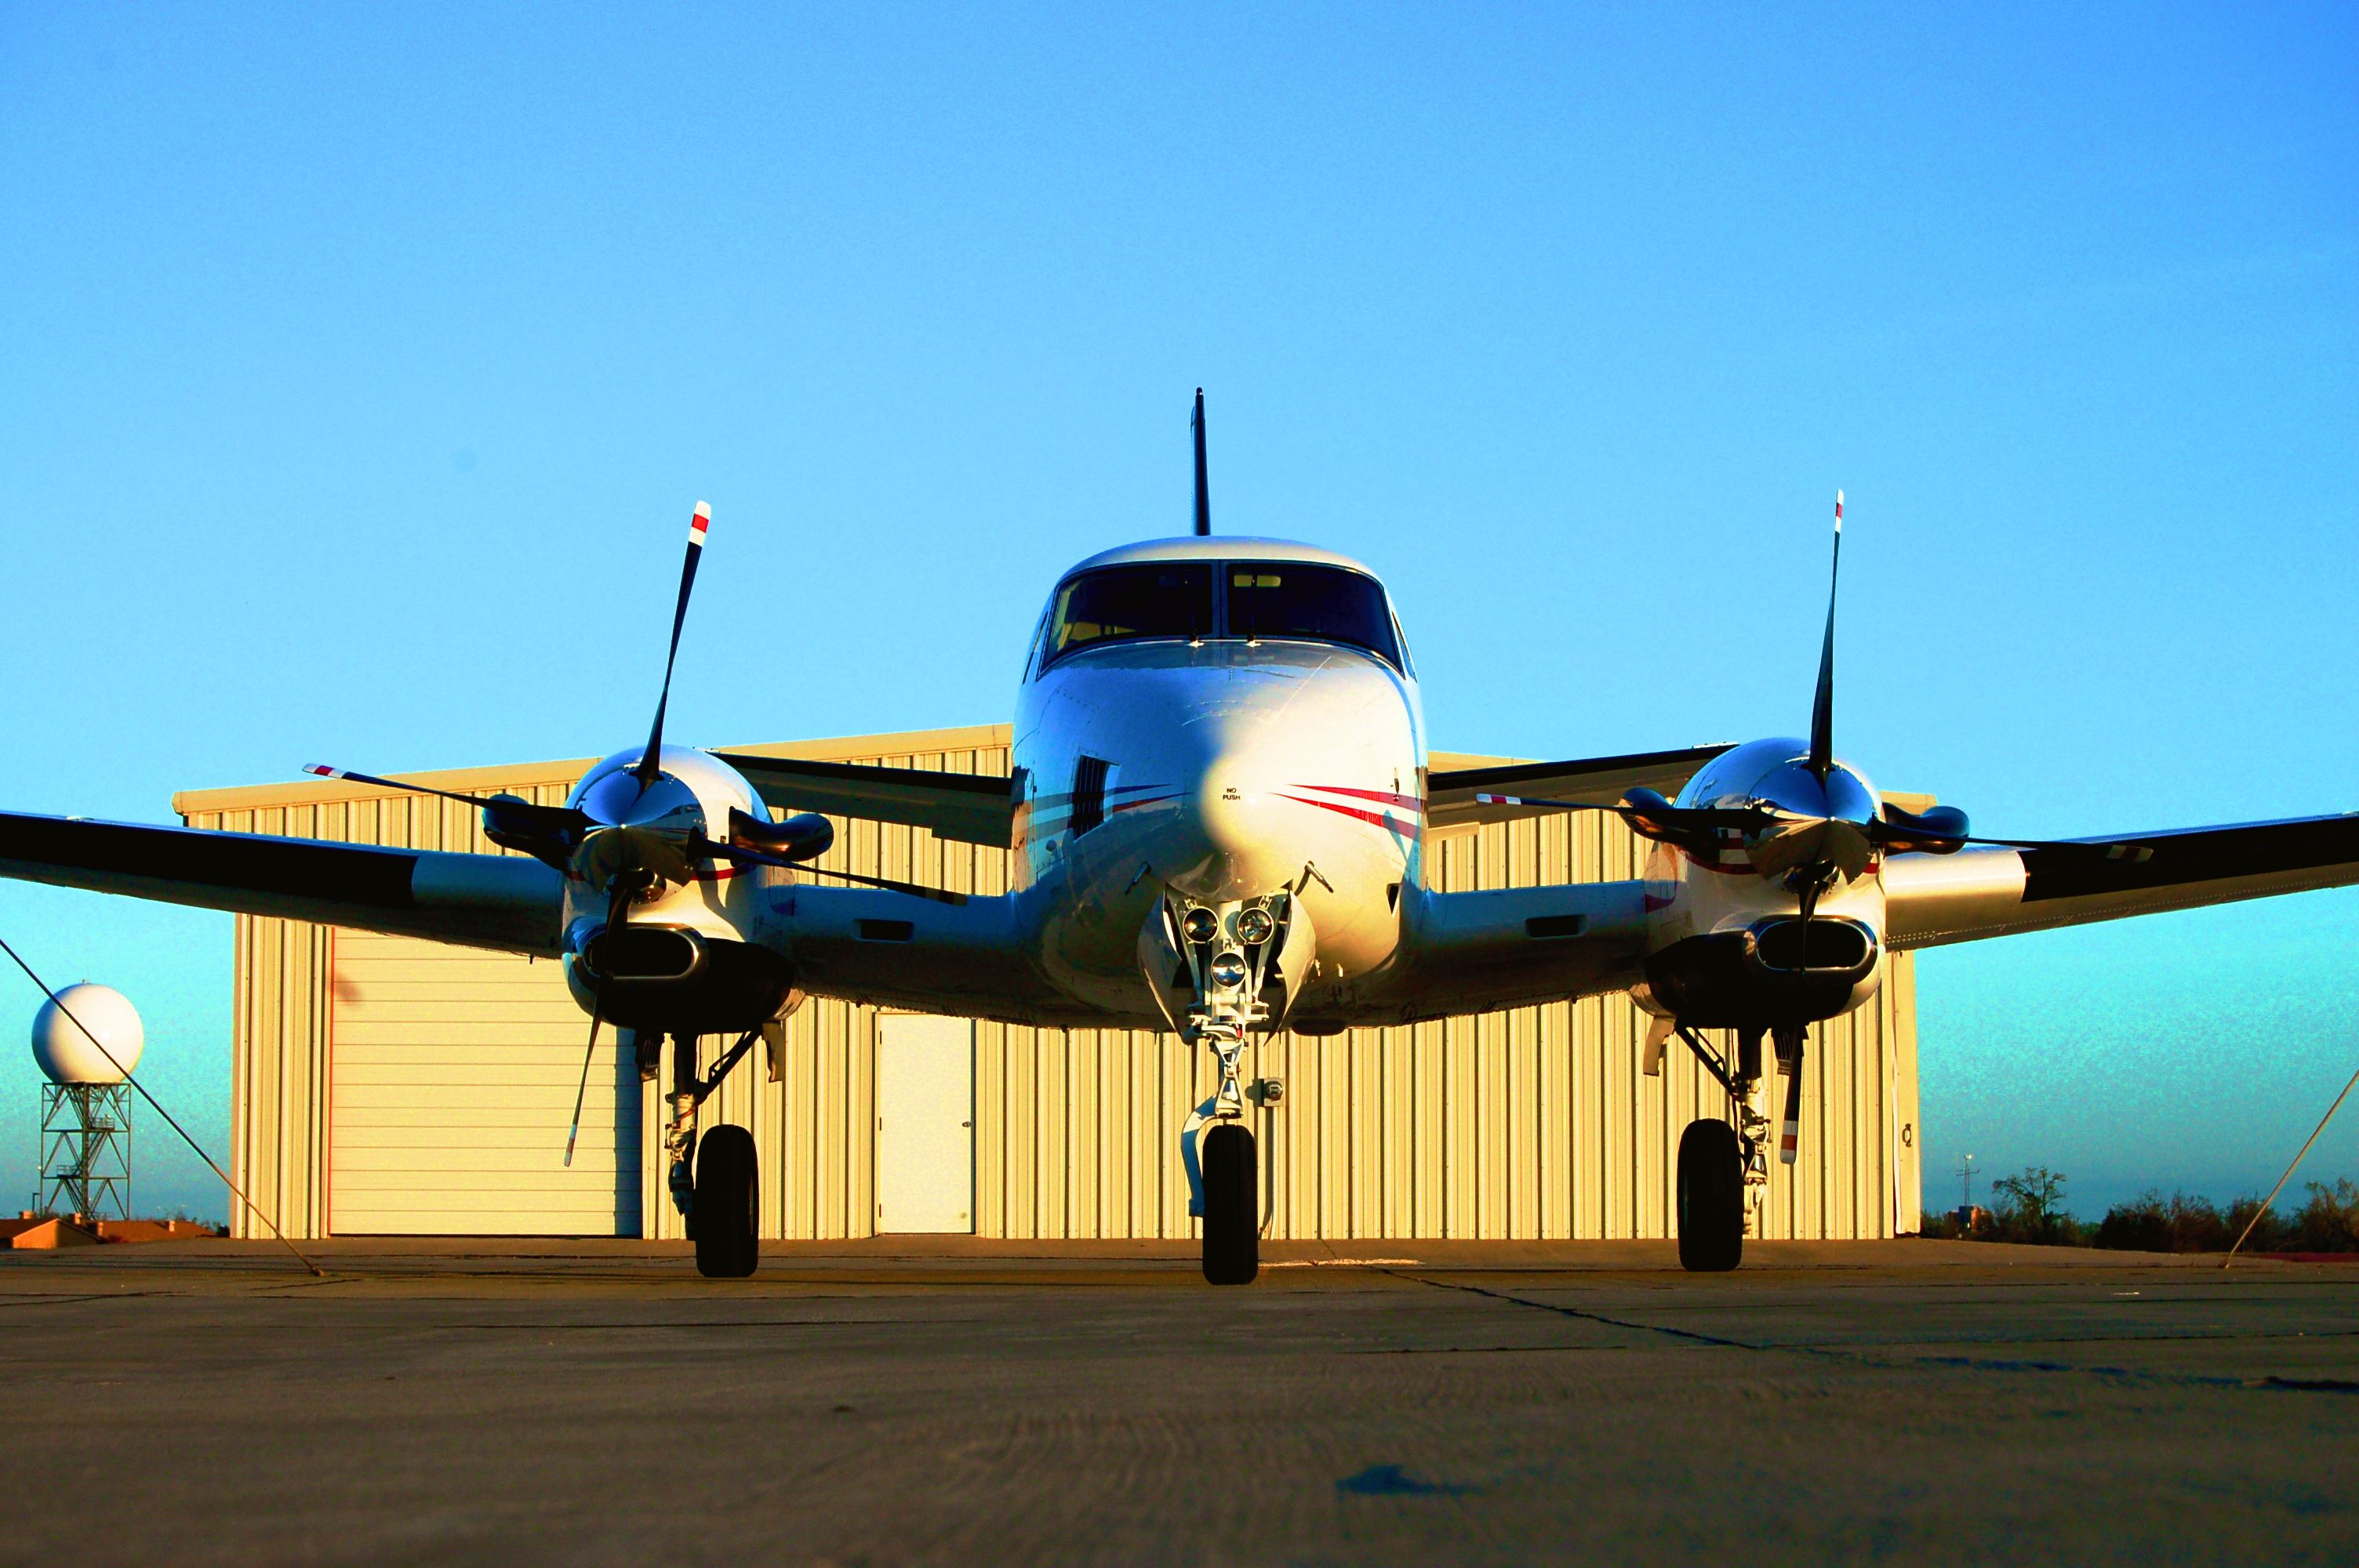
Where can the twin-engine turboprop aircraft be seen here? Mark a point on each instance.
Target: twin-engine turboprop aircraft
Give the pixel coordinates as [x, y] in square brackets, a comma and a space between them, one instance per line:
[1217, 810]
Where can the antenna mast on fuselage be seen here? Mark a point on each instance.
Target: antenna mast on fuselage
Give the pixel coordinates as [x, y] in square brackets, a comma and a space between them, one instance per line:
[1203, 491]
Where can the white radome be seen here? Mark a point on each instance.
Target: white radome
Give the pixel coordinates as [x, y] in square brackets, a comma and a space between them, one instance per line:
[66, 1054]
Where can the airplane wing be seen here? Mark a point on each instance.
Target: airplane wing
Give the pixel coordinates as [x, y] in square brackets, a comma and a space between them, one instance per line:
[1475, 952]
[969, 959]
[1450, 796]
[505, 901]
[1936, 899]
[973, 808]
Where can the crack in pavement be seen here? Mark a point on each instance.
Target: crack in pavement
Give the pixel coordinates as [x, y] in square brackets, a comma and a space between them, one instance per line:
[1891, 1362]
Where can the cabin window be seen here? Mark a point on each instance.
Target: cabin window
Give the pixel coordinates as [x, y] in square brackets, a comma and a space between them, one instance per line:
[1161, 599]
[1314, 603]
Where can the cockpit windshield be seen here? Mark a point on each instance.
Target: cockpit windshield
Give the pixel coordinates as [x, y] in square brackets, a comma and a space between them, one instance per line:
[1249, 599]
[1163, 598]
[1319, 604]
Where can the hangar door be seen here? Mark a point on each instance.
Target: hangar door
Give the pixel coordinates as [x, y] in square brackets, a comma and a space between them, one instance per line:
[452, 1076]
[925, 1125]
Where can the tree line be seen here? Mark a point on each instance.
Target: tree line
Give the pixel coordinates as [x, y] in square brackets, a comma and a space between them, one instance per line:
[2029, 1206]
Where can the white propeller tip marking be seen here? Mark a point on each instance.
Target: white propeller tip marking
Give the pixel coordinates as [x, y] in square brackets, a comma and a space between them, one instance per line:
[324, 771]
[697, 523]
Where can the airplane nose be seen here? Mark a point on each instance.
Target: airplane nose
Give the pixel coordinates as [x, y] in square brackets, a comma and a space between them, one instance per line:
[1229, 806]
[1236, 843]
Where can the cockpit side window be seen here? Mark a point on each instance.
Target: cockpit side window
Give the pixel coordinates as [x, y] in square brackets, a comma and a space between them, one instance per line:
[1158, 599]
[1033, 650]
[1407, 659]
[1321, 604]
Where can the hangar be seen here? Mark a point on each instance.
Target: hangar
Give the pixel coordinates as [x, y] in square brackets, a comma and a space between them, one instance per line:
[384, 1086]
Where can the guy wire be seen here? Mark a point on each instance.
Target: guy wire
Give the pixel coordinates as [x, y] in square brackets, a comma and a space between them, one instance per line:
[158, 1106]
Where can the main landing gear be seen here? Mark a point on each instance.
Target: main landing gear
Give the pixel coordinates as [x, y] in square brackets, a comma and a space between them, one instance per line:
[1724, 1169]
[728, 1204]
[716, 1180]
[1711, 1197]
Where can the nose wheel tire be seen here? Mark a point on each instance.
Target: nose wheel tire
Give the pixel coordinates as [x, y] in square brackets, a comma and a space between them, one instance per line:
[1232, 1206]
[728, 1204]
[1711, 1197]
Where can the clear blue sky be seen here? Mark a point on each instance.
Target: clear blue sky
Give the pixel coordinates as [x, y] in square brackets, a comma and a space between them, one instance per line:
[358, 366]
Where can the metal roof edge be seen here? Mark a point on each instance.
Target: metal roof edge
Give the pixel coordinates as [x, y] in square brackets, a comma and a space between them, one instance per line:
[189, 803]
[844, 748]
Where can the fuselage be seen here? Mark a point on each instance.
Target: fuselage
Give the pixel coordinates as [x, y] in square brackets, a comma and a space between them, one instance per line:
[1266, 736]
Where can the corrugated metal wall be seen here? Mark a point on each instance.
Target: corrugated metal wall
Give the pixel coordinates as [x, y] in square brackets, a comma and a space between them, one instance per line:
[1535, 1123]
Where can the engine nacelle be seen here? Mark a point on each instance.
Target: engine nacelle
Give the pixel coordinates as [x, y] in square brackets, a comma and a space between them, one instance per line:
[671, 980]
[1772, 974]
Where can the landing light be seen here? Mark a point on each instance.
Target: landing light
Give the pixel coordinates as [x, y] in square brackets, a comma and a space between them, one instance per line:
[1254, 928]
[1229, 969]
[1201, 926]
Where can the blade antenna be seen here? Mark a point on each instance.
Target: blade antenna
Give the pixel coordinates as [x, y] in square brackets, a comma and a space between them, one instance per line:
[1822, 710]
[650, 766]
[1203, 487]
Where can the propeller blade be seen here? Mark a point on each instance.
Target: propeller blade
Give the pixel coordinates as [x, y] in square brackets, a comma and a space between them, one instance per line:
[581, 1091]
[1647, 812]
[618, 913]
[546, 832]
[745, 857]
[1203, 488]
[650, 765]
[804, 837]
[1895, 837]
[1823, 708]
[322, 770]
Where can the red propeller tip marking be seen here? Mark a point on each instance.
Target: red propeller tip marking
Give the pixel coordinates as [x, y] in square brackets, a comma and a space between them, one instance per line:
[324, 771]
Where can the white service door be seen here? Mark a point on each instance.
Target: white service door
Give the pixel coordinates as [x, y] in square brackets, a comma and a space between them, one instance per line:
[925, 1125]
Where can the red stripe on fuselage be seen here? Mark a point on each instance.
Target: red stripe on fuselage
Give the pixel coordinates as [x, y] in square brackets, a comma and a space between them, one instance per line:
[1380, 796]
[1390, 824]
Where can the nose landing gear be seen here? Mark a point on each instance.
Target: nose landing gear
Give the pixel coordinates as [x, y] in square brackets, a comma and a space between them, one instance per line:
[1210, 966]
[1232, 1209]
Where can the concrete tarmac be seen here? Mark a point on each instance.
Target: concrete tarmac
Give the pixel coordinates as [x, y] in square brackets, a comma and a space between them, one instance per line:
[596, 1402]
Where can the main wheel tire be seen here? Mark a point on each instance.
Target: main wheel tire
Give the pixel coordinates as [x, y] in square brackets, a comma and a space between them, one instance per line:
[1232, 1206]
[728, 1204]
[1711, 1197]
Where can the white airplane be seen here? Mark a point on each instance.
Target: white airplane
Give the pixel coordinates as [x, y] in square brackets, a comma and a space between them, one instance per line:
[1216, 813]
